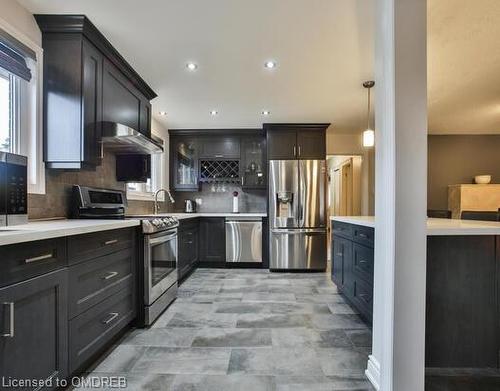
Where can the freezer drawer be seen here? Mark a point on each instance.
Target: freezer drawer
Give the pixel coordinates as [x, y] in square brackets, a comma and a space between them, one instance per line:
[299, 249]
[244, 241]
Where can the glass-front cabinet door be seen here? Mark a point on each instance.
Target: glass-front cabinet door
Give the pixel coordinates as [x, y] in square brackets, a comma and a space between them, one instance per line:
[253, 162]
[185, 170]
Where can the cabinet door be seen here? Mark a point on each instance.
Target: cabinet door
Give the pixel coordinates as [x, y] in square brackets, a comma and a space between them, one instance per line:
[253, 163]
[311, 144]
[184, 163]
[34, 328]
[145, 118]
[220, 148]
[281, 144]
[341, 259]
[92, 103]
[212, 240]
[121, 103]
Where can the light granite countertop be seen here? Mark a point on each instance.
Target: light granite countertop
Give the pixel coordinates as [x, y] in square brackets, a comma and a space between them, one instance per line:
[39, 230]
[436, 227]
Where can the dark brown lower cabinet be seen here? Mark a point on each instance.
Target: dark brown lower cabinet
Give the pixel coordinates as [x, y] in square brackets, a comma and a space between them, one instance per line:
[352, 265]
[213, 241]
[34, 328]
[188, 244]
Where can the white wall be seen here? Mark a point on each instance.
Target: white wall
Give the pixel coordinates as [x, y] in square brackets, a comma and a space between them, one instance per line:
[20, 18]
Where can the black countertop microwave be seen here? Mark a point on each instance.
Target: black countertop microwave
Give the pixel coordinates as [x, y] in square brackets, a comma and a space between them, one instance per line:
[13, 189]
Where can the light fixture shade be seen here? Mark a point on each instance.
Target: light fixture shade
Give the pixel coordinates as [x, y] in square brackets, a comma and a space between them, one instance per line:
[368, 138]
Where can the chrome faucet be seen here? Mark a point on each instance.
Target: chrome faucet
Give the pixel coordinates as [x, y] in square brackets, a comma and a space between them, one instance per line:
[167, 192]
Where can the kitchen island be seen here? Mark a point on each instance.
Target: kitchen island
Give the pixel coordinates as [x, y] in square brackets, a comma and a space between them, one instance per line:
[463, 275]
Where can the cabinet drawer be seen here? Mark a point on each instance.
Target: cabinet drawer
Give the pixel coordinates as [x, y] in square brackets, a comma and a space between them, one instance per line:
[92, 330]
[363, 235]
[93, 281]
[25, 260]
[342, 229]
[84, 247]
[362, 262]
[363, 297]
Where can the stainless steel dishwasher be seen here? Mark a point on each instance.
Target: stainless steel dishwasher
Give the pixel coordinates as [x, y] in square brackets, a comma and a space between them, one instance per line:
[244, 239]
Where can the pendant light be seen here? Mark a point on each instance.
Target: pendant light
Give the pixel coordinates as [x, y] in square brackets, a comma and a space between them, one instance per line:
[369, 133]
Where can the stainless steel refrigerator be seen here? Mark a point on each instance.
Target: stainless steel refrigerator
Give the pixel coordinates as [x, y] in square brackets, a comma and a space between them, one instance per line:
[297, 214]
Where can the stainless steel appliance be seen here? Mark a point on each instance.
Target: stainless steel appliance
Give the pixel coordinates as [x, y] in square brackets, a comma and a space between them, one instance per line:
[297, 214]
[13, 189]
[158, 247]
[189, 206]
[160, 265]
[243, 239]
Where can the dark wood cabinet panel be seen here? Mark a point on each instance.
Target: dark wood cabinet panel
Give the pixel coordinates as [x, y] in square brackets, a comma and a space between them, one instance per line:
[133, 168]
[462, 318]
[311, 144]
[91, 331]
[362, 262]
[120, 103]
[362, 297]
[212, 240]
[296, 141]
[89, 246]
[34, 314]
[188, 247]
[227, 147]
[92, 103]
[341, 255]
[145, 118]
[22, 261]
[282, 144]
[95, 280]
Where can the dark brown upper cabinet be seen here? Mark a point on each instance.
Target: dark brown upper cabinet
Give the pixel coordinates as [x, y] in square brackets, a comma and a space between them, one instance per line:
[86, 82]
[296, 141]
[227, 147]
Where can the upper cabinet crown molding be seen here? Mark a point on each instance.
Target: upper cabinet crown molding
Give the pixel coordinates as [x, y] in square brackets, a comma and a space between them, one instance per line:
[80, 24]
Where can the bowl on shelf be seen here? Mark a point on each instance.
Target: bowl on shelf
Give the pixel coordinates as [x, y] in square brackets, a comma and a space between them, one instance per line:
[482, 179]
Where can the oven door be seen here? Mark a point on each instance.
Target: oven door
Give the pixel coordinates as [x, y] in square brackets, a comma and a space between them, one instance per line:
[160, 264]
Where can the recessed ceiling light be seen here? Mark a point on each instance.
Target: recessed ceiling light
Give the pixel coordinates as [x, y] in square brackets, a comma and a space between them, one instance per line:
[162, 113]
[213, 112]
[191, 66]
[266, 112]
[270, 64]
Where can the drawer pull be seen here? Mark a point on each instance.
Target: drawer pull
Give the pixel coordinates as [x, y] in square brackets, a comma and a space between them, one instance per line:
[10, 334]
[362, 235]
[39, 258]
[109, 242]
[113, 316]
[363, 262]
[364, 296]
[110, 275]
[339, 254]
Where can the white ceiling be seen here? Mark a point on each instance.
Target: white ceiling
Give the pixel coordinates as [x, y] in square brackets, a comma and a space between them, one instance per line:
[464, 66]
[324, 51]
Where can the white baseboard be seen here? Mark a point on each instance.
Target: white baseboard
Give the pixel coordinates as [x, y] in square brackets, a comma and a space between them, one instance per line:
[373, 372]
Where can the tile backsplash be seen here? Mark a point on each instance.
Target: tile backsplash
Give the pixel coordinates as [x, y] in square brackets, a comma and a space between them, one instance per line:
[222, 201]
[56, 202]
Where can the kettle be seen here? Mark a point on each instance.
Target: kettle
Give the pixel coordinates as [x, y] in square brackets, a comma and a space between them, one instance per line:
[189, 206]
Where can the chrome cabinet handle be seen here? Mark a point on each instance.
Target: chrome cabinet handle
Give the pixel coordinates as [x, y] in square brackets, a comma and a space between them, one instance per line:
[10, 334]
[364, 296]
[219, 155]
[294, 150]
[242, 181]
[339, 254]
[39, 258]
[362, 235]
[299, 151]
[109, 242]
[113, 316]
[110, 275]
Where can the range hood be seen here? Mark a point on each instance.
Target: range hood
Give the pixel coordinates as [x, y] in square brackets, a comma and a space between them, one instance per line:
[122, 139]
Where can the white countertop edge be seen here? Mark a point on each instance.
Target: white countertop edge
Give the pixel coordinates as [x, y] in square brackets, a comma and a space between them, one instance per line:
[40, 230]
[435, 227]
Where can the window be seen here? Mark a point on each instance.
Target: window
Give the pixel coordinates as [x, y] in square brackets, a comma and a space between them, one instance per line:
[9, 104]
[21, 64]
[158, 180]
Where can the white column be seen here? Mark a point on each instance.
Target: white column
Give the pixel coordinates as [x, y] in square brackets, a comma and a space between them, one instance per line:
[398, 358]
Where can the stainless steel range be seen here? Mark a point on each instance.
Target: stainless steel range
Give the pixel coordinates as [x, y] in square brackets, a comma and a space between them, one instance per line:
[157, 243]
[160, 264]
